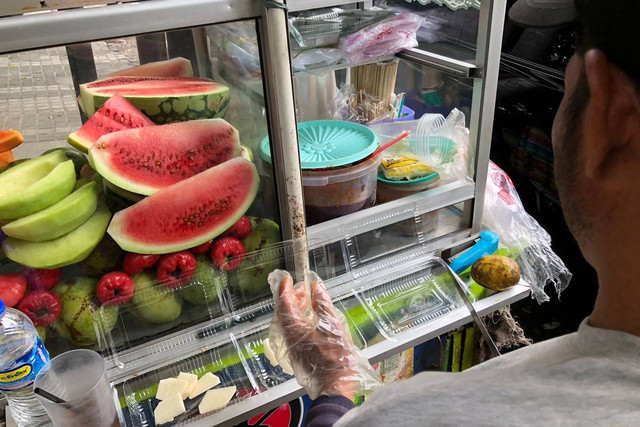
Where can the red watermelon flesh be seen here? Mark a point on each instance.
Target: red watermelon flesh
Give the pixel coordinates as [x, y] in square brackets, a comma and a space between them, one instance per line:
[188, 213]
[115, 115]
[156, 86]
[174, 67]
[148, 159]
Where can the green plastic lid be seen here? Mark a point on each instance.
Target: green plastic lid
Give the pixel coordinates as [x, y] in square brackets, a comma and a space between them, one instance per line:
[329, 144]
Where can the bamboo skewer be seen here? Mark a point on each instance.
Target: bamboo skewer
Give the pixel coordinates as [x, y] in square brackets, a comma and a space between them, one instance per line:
[374, 87]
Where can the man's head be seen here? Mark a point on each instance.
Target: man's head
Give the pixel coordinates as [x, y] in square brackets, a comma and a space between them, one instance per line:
[596, 133]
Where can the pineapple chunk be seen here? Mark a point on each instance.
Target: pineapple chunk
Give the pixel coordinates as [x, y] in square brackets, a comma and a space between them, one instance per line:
[168, 409]
[206, 382]
[268, 352]
[191, 379]
[216, 399]
[171, 386]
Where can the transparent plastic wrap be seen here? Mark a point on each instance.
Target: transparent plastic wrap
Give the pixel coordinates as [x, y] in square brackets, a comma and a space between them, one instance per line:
[383, 38]
[522, 235]
[315, 30]
[310, 335]
[360, 107]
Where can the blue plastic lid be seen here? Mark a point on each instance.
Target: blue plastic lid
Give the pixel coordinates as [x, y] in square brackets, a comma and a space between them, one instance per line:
[2, 309]
[329, 144]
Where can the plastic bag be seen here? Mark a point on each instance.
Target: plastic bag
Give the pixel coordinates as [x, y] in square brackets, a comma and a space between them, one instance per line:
[360, 107]
[384, 38]
[462, 166]
[308, 335]
[520, 233]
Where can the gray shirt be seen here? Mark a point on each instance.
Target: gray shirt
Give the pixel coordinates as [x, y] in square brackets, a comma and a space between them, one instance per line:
[591, 377]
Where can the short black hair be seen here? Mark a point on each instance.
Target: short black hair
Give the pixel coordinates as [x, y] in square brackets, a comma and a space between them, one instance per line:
[612, 26]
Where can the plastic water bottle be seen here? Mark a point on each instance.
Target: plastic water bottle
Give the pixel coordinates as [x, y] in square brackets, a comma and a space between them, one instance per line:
[22, 355]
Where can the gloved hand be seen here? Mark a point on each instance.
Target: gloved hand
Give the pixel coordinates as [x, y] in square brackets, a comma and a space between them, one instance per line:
[307, 333]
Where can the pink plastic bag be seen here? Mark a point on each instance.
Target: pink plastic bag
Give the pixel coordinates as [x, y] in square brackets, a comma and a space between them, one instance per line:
[384, 38]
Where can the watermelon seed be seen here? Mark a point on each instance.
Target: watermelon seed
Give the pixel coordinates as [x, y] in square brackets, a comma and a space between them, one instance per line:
[172, 171]
[201, 209]
[158, 163]
[103, 145]
[145, 164]
[192, 151]
[110, 129]
[100, 124]
[191, 158]
[121, 119]
[184, 172]
[121, 150]
[131, 160]
[200, 224]
[177, 165]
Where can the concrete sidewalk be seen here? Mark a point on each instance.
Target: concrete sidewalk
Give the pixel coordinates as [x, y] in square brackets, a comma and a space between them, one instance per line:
[37, 95]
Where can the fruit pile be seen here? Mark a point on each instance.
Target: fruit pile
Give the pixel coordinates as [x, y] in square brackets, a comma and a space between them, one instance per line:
[153, 217]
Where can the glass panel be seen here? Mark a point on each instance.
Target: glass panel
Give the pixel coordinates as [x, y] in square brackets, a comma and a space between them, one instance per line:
[189, 74]
[447, 32]
[423, 93]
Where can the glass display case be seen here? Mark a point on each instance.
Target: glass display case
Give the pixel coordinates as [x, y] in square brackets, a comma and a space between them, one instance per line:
[168, 156]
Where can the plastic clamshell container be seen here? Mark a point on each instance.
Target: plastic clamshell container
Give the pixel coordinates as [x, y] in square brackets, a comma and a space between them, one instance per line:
[158, 311]
[239, 362]
[398, 301]
[380, 302]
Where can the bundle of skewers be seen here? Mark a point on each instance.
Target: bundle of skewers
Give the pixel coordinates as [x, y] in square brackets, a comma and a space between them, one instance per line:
[373, 99]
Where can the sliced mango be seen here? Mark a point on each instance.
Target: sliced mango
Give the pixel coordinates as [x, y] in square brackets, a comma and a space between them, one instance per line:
[57, 220]
[69, 249]
[10, 139]
[35, 185]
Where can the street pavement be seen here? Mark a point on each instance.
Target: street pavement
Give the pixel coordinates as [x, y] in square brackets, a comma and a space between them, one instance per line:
[37, 95]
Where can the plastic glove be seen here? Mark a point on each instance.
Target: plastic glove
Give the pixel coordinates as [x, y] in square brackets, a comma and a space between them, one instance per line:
[308, 335]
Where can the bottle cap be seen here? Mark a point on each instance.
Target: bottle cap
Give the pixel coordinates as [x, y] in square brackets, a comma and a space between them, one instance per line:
[1, 308]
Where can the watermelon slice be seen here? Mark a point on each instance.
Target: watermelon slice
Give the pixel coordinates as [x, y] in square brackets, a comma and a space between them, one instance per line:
[162, 99]
[174, 67]
[188, 213]
[148, 159]
[115, 115]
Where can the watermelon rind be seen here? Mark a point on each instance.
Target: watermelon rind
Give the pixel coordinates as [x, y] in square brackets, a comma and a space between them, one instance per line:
[132, 197]
[152, 226]
[161, 104]
[146, 160]
[174, 67]
[114, 115]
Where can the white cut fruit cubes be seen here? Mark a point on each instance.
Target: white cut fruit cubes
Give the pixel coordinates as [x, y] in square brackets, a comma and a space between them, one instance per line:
[168, 409]
[170, 386]
[205, 382]
[216, 399]
[191, 379]
[268, 352]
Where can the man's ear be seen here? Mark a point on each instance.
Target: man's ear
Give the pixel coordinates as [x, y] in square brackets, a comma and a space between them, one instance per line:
[612, 115]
